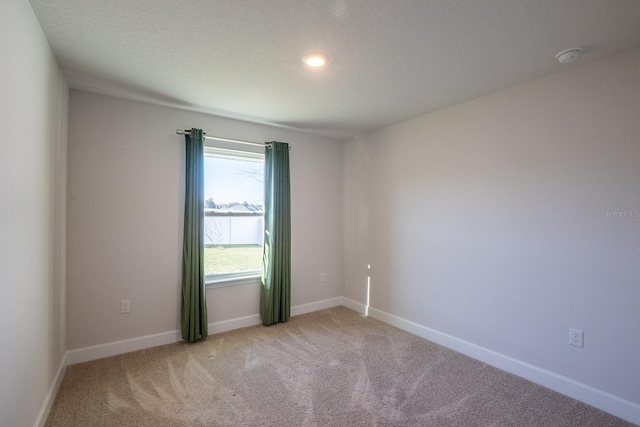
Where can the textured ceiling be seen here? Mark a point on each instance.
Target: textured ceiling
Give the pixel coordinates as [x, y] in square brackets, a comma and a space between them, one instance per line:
[389, 60]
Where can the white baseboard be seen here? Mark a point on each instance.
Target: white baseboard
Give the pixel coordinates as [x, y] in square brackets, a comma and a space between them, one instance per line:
[316, 306]
[41, 419]
[231, 324]
[99, 351]
[607, 402]
[354, 305]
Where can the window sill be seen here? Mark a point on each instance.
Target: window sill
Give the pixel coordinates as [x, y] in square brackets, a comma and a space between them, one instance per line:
[213, 283]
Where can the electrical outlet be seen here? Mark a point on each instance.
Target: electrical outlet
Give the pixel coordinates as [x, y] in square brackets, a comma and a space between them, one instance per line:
[125, 306]
[576, 337]
[322, 277]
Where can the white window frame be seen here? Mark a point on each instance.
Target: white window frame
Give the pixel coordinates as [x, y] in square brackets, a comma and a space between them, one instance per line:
[223, 280]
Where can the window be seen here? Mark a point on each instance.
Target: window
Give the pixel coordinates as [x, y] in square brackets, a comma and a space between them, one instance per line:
[233, 216]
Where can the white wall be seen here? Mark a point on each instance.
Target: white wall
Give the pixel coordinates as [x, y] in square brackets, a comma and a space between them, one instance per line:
[32, 179]
[484, 221]
[126, 174]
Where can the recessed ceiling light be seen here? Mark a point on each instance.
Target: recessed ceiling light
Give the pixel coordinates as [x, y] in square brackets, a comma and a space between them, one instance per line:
[315, 60]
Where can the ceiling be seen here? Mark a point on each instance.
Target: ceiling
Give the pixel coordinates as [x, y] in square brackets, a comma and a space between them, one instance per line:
[389, 60]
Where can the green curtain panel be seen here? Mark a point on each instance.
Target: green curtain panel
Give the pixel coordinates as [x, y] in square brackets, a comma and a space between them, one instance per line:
[194, 301]
[275, 296]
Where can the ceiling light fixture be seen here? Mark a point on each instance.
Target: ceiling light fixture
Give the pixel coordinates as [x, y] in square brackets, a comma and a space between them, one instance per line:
[315, 60]
[568, 55]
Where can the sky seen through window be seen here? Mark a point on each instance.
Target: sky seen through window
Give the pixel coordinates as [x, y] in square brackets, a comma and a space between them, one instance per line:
[233, 180]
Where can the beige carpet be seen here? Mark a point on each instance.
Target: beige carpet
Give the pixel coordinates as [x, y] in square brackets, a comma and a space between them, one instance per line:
[329, 368]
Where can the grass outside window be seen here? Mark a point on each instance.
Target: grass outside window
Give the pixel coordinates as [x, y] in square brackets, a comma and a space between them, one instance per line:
[220, 259]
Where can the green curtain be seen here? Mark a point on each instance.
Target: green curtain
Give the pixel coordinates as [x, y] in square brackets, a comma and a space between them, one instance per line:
[275, 296]
[194, 301]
